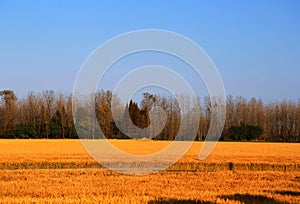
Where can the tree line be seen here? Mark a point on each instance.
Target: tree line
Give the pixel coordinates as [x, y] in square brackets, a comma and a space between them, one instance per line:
[50, 115]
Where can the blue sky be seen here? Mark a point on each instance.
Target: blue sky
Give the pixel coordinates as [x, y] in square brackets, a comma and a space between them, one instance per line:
[254, 44]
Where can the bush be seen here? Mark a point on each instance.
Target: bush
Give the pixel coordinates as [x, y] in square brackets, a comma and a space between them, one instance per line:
[25, 131]
[245, 132]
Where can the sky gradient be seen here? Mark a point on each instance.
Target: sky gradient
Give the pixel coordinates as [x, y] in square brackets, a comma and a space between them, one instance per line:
[254, 44]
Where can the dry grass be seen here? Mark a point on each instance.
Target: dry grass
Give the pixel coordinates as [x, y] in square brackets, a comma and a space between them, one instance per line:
[216, 184]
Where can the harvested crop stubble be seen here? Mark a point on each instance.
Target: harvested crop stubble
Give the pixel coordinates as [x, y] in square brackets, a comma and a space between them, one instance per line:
[234, 173]
[40, 154]
[109, 187]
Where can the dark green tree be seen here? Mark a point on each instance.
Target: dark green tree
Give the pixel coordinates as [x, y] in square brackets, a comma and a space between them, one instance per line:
[245, 132]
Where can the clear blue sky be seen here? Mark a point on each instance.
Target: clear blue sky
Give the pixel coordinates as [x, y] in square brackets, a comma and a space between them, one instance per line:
[254, 44]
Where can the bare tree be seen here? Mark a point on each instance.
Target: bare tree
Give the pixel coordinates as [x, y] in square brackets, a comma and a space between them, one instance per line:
[9, 111]
[49, 99]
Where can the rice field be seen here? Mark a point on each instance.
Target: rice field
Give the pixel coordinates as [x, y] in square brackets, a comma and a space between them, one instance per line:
[61, 171]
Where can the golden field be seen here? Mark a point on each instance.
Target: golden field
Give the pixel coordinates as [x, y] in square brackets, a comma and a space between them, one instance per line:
[60, 171]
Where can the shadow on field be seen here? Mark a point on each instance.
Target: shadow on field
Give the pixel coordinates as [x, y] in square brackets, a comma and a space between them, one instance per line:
[290, 193]
[251, 199]
[178, 201]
